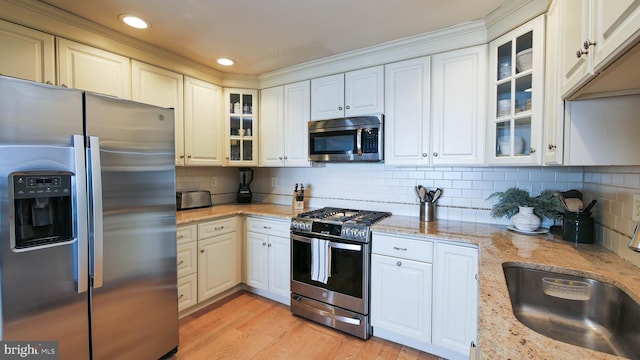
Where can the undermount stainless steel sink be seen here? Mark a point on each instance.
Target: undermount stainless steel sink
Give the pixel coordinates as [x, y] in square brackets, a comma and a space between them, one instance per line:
[575, 310]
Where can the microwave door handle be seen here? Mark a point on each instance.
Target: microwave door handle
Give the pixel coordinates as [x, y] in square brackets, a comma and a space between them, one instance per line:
[359, 142]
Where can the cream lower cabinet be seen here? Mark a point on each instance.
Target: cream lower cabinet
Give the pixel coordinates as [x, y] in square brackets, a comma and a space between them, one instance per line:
[455, 298]
[209, 260]
[268, 259]
[401, 283]
[26, 53]
[187, 258]
[424, 293]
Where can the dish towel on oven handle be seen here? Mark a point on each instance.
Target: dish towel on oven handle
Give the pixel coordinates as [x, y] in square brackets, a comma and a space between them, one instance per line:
[320, 260]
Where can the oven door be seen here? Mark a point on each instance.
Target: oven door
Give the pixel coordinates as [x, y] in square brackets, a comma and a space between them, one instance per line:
[348, 285]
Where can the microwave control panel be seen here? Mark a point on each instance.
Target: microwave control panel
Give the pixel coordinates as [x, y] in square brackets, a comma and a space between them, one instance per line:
[370, 140]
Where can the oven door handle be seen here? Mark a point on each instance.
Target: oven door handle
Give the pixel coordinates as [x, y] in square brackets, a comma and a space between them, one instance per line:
[332, 244]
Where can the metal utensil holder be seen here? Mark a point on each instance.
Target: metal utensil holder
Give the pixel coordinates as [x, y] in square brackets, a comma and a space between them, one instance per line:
[427, 211]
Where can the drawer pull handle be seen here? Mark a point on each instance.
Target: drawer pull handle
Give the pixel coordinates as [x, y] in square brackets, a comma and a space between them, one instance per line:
[267, 227]
[181, 262]
[399, 248]
[218, 228]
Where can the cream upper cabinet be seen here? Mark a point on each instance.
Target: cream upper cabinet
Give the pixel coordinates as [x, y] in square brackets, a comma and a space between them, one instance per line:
[284, 114]
[354, 93]
[87, 68]
[594, 33]
[553, 144]
[160, 87]
[272, 132]
[26, 53]
[515, 111]
[407, 102]
[458, 106]
[241, 127]
[203, 128]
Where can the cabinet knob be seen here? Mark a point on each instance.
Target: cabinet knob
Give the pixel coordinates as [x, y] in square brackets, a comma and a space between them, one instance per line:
[264, 243]
[581, 52]
[269, 245]
[280, 158]
[181, 296]
[532, 150]
[348, 107]
[189, 157]
[49, 83]
[64, 85]
[587, 43]
[339, 107]
[182, 157]
[424, 155]
[551, 146]
[285, 158]
[399, 263]
[181, 262]
[202, 251]
[435, 154]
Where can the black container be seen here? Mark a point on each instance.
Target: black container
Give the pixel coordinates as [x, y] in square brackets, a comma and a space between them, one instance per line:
[578, 227]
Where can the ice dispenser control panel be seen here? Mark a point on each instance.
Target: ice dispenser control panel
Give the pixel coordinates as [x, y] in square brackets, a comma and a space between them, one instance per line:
[43, 214]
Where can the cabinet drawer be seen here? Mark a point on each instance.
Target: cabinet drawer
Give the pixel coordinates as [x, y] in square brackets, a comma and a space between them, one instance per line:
[187, 233]
[216, 227]
[269, 227]
[406, 248]
[187, 259]
[187, 291]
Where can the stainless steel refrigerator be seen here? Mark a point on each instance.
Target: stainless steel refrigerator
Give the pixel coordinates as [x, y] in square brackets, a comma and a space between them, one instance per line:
[88, 226]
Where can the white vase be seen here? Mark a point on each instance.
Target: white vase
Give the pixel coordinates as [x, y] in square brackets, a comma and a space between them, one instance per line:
[525, 219]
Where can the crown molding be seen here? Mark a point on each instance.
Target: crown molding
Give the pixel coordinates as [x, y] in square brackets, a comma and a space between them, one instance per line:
[46, 18]
[446, 39]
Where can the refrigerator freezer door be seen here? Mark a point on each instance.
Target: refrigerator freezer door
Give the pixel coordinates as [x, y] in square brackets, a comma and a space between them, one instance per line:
[43, 295]
[135, 311]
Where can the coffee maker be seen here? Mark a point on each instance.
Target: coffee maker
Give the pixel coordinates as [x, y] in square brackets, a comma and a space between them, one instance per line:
[244, 192]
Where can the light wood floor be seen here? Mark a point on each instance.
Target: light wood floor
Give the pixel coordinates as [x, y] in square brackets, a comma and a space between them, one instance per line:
[247, 326]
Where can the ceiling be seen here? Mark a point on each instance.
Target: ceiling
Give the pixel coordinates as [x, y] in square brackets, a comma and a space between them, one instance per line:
[264, 36]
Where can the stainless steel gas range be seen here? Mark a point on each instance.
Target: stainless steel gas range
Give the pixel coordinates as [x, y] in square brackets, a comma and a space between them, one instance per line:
[330, 260]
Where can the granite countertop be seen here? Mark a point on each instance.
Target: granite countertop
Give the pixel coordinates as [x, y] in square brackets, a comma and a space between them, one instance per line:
[500, 334]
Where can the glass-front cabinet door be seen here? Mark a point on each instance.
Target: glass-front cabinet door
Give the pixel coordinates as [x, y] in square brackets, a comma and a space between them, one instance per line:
[241, 127]
[516, 76]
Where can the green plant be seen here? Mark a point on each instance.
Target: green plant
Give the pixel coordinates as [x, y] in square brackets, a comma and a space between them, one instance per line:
[547, 204]
[509, 201]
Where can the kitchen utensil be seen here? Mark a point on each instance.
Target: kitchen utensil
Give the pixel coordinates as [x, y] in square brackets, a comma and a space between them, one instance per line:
[563, 201]
[422, 193]
[436, 195]
[417, 188]
[587, 210]
[574, 204]
[427, 211]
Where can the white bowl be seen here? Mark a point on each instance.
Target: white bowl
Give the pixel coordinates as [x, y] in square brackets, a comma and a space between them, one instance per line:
[504, 145]
[523, 60]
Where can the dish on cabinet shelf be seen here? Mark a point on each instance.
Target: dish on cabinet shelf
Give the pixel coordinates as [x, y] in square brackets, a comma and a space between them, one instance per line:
[523, 60]
[537, 231]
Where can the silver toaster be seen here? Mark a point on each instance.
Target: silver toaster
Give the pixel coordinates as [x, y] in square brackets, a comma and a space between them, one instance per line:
[193, 199]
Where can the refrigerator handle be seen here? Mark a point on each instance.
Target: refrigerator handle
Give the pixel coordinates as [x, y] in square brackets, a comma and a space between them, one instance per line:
[82, 222]
[95, 177]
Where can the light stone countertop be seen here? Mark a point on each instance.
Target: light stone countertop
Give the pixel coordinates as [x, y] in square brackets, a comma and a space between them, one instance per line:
[500, 334]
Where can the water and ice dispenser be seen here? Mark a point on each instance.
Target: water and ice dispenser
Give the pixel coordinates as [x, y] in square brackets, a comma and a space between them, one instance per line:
[42, 214]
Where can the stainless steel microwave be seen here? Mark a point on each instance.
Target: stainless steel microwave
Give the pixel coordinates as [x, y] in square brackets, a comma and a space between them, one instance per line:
[347, 139]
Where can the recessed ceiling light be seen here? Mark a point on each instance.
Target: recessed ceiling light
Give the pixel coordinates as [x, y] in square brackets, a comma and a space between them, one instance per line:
[134, 21]
[226, 61]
